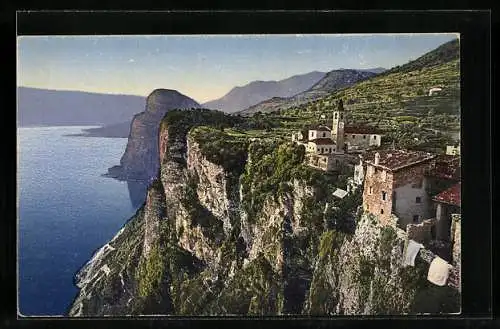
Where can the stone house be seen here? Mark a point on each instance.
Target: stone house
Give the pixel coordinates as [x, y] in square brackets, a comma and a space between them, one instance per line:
[394, 183]
[420, 190]
[448, 203]
[362, 137]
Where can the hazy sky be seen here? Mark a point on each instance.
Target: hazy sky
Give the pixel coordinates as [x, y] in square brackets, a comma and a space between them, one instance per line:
[202, 67]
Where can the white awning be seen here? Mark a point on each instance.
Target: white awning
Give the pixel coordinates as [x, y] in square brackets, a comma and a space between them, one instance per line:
[340, 193]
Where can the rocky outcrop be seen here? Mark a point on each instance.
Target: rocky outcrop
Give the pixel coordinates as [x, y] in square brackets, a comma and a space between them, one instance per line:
[154, 213]
[140, 160]
[238, 227]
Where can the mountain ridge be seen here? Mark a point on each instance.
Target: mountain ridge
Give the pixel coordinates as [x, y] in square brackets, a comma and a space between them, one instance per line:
[50, 107]
[332, 81]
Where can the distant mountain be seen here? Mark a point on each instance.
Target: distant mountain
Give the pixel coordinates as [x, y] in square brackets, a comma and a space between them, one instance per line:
[115, 130]
[332, 81]
[376, 70]
[43, 107]
[240, 98]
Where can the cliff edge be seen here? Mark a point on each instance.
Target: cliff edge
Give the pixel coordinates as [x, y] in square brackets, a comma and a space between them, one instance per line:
[140, 160]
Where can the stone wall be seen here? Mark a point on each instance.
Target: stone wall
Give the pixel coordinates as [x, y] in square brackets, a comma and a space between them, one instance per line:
[412, 175]
[375, 185]
[457, 248]
[406, 206]
[422, 232]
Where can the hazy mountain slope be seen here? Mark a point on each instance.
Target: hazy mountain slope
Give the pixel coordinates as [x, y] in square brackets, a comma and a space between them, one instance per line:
[240, 98]
[115, 130]
[42, 107]
[332, 81]
[447, 52]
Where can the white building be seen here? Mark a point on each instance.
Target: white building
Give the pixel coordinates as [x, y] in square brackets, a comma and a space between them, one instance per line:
[319, 132]
[321, 146]
[362, 137]
[453, 150]
[434, 90]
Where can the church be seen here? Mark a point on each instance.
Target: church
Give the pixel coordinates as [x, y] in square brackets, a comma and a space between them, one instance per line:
[325, 146]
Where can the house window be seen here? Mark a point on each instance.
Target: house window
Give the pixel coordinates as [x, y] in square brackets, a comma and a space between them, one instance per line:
[384, 195]
[335, 115]
[418, 199]
[415, 218]
[374, 137]
[364, 136]
[370, 190]
[317, 149]
[324, 134]
[382, 211]
[312, 134]
[353, 136]
[341, 116]
[322, 150]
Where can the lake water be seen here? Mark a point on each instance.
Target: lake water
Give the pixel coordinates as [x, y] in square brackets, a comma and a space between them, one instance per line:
[66, 211]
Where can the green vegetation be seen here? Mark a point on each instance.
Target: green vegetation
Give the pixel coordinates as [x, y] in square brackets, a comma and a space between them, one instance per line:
[179, 122]
[322, 295]
[151, 272]
[225, 149]
[395, 101]
[253, 290]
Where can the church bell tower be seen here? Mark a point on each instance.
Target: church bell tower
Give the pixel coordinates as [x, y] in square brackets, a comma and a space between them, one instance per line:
[338, 126]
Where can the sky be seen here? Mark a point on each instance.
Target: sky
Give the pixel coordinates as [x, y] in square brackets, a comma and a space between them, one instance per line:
[203, 67]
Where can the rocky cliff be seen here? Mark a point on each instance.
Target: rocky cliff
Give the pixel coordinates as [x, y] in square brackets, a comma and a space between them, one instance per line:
[140, 160]
[240, 226]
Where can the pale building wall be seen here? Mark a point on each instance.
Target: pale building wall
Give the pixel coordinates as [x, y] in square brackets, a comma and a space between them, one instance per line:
[313, 134]
[452, 150]
[405, 206]
[320, 149]
[359, 173]
[375, 140]
[362, 140]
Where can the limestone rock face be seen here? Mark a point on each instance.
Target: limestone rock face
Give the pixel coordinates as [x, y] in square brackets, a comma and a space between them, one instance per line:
[212, 240]
[141, 158]
[154, 213]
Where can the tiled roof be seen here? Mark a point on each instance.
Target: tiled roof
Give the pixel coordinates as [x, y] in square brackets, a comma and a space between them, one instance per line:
[321, 128]
[394, 160]
[450, 196]
[322, 141]
[447, 167]
[358, 129]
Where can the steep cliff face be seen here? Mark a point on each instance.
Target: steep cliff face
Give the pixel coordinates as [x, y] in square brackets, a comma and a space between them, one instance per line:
[140, 160]
[234, 226]
[364, 274]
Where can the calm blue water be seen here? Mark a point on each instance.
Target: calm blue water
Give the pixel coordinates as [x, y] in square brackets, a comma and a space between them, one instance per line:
[66, 211]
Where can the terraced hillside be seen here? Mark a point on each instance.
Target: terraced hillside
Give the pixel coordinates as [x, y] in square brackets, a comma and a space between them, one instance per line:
[396, 101]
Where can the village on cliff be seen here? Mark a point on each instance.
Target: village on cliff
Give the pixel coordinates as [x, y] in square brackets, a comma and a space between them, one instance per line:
[417, 193]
